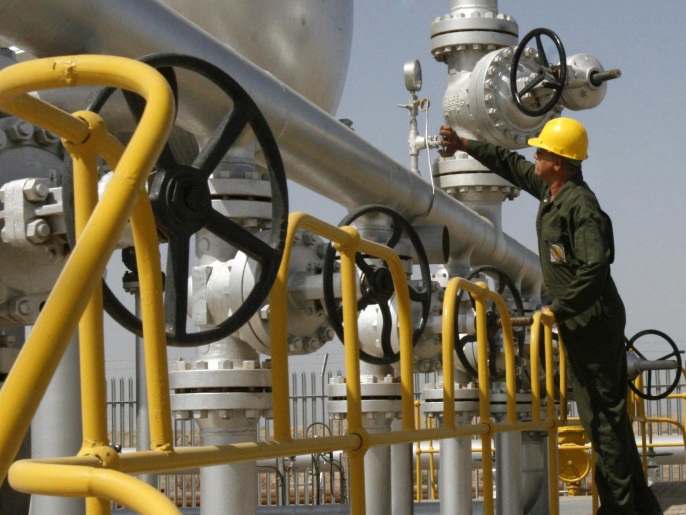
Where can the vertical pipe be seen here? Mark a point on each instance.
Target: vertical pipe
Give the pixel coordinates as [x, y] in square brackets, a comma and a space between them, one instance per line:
[456, 470]
[401, 480]
[491, 5]
[508, 461]
[377, 477]
[56, 429]
[229, 489]
[142, 415]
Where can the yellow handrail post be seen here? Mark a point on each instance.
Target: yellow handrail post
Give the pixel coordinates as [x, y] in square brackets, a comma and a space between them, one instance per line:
[278, 310]
[81, 277]
[548, 319]
[484, 396]
[448, 329]
[91, 333]
[534, 357]
[352, 368]
[91, 328]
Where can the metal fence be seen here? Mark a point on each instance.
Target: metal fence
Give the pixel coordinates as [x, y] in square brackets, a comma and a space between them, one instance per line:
[322, 479]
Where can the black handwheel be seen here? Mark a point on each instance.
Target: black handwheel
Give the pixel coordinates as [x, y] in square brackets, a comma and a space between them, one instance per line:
[492, 322]
[182, 205]
[548, 76]
[377, 286]
[672, 354]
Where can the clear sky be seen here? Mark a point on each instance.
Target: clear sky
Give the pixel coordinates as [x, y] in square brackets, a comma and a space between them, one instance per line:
[636, 134]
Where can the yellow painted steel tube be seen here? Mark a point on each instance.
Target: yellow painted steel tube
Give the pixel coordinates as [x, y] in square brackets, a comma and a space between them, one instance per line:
[435, 433]
[77, 481]
[152, 313]
[448, 348]
[348, 242]
[36, 363]
[191, 458]
[91, 331]
[91, 327]
[352, 369]
[278, 309]
[147, 254]
[548, 319]
[402, 297]
[184, 458]
[534, 356]
[484, 399]
[509, 347]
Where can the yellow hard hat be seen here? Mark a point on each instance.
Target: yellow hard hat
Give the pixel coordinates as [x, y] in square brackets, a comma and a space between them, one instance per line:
[565, 137]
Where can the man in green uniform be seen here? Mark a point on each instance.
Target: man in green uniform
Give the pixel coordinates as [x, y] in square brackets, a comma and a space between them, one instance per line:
[576, 247]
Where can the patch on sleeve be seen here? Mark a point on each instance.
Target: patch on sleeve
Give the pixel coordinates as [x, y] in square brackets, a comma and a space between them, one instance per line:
[557, 252]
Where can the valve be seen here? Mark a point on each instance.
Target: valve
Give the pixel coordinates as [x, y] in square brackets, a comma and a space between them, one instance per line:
[637, 363]
[467, 342]
[548, 78]
[377, 286]
[182, 205]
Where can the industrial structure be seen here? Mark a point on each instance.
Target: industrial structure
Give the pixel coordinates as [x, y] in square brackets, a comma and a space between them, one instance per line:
[176, 128]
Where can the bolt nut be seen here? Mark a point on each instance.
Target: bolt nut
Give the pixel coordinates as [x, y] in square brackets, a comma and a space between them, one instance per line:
[312, 344]
[225, 414]
[20, 131]
[44, 137]
[295, 344]
[21, 307]
[224, 364]
[326, 334]
[264, 312]
[36, 190]
[37, 231]
[182, 365]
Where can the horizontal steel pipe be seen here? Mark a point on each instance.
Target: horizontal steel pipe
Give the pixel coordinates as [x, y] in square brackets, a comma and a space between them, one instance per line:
[320, 153]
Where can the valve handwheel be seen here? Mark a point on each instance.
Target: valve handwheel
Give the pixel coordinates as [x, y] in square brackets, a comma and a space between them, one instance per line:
[182, 205]
[377, 284]
[673, 353]
[504, 282]
[548, 76]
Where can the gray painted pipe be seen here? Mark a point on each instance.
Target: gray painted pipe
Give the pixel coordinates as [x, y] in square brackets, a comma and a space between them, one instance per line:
[319, 152]
[56, 431]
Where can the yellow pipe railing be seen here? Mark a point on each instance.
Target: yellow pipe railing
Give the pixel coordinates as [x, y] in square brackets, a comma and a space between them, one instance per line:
[348, 243]
[100, 473]
[73, 291]
[547, 320]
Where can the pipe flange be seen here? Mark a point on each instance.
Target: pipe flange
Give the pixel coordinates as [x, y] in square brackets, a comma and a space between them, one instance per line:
[466, 400]
[457, 31]
[378, 398]
[522, 403]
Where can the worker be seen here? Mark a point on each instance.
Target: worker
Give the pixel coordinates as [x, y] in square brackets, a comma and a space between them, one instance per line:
[576, 248]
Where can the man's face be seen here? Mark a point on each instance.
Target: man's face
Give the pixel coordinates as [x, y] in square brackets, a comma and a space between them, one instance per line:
[545, 164]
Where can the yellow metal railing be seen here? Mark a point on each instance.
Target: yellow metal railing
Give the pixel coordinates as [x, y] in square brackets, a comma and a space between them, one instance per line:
[77, 290]
[98, 472]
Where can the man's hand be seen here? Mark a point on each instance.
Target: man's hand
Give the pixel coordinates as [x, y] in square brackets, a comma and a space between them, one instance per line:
[451, 142]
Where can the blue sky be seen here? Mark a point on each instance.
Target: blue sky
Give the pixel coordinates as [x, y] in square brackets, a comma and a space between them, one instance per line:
[636, 134]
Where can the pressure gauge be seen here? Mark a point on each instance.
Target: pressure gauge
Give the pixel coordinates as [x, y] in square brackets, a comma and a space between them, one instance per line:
[413, 76]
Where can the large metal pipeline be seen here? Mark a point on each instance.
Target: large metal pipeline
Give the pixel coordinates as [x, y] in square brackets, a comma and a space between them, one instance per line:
[319, 152]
